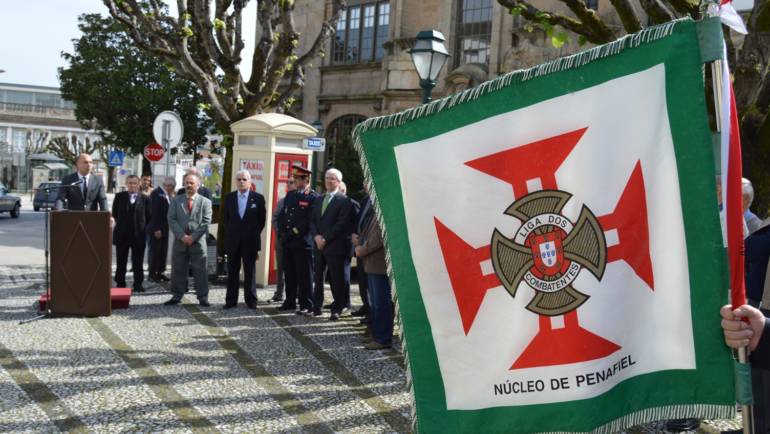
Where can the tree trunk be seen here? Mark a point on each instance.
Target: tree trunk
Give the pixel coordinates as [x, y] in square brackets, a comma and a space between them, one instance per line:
[227, 143]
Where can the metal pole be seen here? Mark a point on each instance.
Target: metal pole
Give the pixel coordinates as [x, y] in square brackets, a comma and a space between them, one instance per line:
[166, 143]
[717, 83]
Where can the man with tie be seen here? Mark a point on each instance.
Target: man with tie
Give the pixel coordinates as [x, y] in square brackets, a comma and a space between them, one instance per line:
[189, 216]
[131, 211]
[82, 190]
[244, 219]
[331, 226]
[160, 198]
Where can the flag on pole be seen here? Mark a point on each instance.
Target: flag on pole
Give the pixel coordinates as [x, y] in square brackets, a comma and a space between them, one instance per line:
[554, 242]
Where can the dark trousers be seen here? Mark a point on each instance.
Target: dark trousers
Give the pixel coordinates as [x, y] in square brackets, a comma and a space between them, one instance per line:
[234, 259]
[336, 266]
[298, 272]
[136, 246]
[158, 255]
[381, 308]
[363, 284]
[279, 280]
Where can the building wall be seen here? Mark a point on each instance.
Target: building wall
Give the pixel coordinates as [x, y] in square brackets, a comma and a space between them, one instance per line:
[31, 116]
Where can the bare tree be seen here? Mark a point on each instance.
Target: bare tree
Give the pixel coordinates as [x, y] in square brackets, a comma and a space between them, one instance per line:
[750, 62]
[204, 42]
[68, 148]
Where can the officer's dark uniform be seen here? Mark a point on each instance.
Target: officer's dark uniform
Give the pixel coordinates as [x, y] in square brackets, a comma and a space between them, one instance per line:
[294, 225]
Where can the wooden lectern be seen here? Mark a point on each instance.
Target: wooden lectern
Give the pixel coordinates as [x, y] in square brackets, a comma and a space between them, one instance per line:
[81, 263]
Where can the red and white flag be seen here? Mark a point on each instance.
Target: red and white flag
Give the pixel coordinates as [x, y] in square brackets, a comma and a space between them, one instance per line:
[731, 187]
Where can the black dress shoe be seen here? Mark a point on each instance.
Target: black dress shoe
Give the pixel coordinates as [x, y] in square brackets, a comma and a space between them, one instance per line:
[172, 302]
[162, 278]
[334, 316]
[204, 303]
[138, 289]
[680, 425]
[121, 285]
[251, 306]
[359, 312]
[229, 306]
[276, 299]
[286, 307]
[317, 312]
[153, 279]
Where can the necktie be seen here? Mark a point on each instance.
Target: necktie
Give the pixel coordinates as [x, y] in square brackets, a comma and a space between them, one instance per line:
[189, 205]
[327, 199]
[242, 208]
[85, 186]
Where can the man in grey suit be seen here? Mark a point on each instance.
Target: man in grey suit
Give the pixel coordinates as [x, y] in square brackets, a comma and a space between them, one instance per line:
[189, 216]
[82, 190]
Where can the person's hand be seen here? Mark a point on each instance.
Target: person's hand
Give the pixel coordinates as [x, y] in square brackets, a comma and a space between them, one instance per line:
[354, 239]
[319, 242]
[112, 222]
[358, 251]
[187, 240]
[257, 255]
[158, 234]
[740, 333]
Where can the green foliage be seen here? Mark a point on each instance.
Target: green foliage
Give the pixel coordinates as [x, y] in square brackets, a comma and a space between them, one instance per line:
[559, 39]
[219, 24]
[122, 89]
[516, 10]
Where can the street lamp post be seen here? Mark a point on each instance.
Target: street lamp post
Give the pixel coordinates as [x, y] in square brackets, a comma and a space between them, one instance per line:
[319, 126]
[429, 55]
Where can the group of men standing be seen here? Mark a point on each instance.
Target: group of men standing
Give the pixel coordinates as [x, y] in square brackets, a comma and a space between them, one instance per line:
[317, 235]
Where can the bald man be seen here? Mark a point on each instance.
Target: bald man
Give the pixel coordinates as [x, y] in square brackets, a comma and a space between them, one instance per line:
[82, 190]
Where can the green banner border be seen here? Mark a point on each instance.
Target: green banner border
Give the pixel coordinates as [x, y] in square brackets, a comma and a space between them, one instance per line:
[695, 161]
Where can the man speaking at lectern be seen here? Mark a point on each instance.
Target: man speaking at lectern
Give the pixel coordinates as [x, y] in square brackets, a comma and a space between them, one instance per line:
[82, 191]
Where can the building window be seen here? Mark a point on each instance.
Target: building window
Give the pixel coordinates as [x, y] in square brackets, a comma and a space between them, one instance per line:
[361, 32]
[474, 31]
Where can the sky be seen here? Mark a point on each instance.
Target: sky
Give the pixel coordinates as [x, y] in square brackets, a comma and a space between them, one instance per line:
[34, 33]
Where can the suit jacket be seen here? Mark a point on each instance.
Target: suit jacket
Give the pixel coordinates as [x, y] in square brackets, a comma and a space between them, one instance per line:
[195, 223]
[159, 202]
[294, 220]
[335, 225]
[127, 229]
[244, 232]
[71, 198]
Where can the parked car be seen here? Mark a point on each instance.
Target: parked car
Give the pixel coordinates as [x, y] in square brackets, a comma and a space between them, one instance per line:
[9, 203]
[46, 200]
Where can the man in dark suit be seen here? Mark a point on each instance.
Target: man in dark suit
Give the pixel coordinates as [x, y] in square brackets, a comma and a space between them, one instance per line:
[82, 190]
[202, 190]
[244, 218]
[294, 226]
[160, 198]
[331, 226]
[131, 211]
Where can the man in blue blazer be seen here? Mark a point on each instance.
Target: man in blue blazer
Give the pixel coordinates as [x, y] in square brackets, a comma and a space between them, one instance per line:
[82, 190]
[244, 219]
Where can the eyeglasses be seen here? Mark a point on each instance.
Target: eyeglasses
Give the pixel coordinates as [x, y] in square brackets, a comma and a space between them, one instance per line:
[243, 179]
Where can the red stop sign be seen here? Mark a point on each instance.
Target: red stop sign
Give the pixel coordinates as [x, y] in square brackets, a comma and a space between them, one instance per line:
[154, 152]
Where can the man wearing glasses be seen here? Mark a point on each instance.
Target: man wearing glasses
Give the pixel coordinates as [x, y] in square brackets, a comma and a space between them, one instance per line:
[244, 218]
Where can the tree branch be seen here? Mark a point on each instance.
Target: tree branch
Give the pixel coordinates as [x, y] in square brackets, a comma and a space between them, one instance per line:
[627, 14]
[657, 11]
[588, 25]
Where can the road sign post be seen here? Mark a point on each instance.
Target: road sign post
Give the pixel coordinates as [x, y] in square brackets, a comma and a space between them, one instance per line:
[168, 131]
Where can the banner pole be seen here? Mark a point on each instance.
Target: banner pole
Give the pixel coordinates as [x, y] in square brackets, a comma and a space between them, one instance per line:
[717, 83]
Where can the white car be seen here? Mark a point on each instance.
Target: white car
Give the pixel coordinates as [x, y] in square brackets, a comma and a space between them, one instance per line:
[8, 203]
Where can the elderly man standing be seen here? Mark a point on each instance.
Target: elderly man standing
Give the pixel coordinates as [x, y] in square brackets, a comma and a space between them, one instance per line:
[752, 221]
[244, 219]
[202, 190]
[131, 210]
[331, 226]
[189, 216]
[160, 198]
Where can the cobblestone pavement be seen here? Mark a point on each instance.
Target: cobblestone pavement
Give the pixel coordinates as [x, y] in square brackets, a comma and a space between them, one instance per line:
[155, 368]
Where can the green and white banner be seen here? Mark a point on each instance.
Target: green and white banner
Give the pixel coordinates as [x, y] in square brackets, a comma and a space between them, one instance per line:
[554, 243]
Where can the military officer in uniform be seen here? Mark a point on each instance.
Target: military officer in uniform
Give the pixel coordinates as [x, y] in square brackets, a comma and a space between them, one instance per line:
[294, 226]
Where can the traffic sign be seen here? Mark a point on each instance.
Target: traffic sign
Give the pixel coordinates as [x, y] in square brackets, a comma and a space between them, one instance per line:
[116, 158]
[168, 126]
[314, 143]
[154, 152]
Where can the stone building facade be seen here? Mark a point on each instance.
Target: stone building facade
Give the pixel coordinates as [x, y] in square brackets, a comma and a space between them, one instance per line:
[368, 71]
